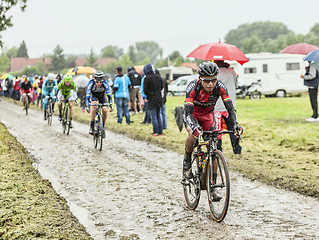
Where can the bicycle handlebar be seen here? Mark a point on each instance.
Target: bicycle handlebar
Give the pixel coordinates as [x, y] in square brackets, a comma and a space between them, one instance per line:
[99, 104]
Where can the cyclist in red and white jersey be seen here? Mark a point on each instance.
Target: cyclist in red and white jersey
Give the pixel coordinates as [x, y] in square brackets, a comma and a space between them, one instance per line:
[201, 97]
[26, 89]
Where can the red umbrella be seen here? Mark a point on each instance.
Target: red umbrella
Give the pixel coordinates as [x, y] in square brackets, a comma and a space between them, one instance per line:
[299, 48]
[219, 51]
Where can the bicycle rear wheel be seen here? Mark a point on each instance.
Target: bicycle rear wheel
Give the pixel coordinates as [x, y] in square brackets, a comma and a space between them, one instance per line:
[49, 113]
[192, 187]
[96, 133]
[219, 184]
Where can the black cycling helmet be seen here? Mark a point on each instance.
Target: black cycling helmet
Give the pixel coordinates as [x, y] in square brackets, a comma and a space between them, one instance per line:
[207, 69]
[130, 69]
[98, 75]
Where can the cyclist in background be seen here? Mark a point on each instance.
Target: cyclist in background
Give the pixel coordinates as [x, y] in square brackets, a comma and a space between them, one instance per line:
[97, 90]
[26, 90]
[201, 97]
[67, 91]
[49, 87]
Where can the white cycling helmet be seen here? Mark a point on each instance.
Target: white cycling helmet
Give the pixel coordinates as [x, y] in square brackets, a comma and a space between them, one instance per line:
[51, 76]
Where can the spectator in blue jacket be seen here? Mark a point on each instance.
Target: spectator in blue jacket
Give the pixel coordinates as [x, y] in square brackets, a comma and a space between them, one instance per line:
[121, 90]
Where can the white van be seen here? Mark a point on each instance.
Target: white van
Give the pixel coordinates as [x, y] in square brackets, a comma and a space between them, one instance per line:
[172, 73]
[178, 87]
[279, 73]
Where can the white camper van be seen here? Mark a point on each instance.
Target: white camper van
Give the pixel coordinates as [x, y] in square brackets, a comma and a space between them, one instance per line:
[172, 73]
[279, 73]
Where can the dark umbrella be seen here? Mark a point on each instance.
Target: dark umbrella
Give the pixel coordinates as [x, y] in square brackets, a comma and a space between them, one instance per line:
[178, 113]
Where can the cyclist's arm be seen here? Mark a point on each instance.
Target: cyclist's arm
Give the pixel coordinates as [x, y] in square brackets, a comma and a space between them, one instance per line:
[108, 91]
[88, 92]
[189, 106]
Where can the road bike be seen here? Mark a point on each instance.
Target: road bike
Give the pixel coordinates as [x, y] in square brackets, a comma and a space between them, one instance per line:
[210, 173]
[26, 103]
[49, 112]
[98, 126]
[65, 119]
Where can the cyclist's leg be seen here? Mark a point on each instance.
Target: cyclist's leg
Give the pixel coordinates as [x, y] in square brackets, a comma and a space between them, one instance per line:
[60, 99]
[92, 115]
[189, 146]
[52, 95]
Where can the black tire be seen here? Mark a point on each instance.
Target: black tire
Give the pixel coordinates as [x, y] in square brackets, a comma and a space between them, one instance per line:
[26, 102]
[67, 120]
[49, 113]
[101, 135]
[96, 132]
[280, 93]
[255, 95]
[192, 187]
[219, 208]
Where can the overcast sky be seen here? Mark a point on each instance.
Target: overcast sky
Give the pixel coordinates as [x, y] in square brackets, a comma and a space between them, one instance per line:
[79, 25]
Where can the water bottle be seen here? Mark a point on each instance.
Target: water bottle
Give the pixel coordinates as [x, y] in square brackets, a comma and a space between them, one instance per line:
[201, 158]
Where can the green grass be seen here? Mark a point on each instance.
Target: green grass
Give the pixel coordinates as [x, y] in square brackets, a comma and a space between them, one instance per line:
[30, 208]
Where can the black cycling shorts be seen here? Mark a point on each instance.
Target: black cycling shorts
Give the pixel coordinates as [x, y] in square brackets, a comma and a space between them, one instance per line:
[100, 97]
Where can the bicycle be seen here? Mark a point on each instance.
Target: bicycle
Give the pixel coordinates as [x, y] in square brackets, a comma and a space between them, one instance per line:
[98, 126]
[49, 112]
[65, 119]
[210, 173]
[26, 104]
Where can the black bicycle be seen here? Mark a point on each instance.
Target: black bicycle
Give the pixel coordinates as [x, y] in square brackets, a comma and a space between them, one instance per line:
[49, 112]
[26, 104]
[210, 173]
[98, 126]
[65, 119]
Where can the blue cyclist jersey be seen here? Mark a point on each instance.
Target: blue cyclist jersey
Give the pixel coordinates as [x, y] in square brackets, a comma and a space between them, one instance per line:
[122, 83]
[92, 90]
[48, 87]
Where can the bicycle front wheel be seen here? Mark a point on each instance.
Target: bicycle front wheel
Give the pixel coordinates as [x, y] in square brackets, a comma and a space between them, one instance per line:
[26, 105]
[192, 187]
[67, 120]
[49, 113]
[100, 135]
[218, 186]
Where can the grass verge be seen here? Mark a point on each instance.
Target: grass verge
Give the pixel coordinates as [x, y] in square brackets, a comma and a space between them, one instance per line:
[30, 208]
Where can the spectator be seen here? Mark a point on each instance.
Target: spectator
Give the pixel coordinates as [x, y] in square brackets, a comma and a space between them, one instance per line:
[227, 76]
[153, 86]
[121, 90]
[4, 87]
[135, 90]
[164, 94]
[311, 80]
[16, 89]
[147, 118]
[10, 87]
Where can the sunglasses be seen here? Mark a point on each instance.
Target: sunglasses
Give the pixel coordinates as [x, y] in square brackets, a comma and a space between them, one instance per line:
[208, 80]
[98, 81]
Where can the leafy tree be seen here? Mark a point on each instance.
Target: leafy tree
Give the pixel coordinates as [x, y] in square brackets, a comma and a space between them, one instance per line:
[5, 20]
[23, 51]
[148, 49]
[124, 62]
[262, 30]
[4, 62]
[91, 60]
[12, 52]
[174, 55]
[132, 54]
[57, 60]
[315, 29]
[112, 52]
[70, 61]
[252, 44]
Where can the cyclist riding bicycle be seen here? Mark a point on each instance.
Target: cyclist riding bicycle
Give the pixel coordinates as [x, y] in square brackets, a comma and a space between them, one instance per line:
[201, 97]
[98, 89]
[49, 87]
[26, 89]
[67, 91]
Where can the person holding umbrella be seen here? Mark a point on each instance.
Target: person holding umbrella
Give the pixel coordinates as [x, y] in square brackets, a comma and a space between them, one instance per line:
[311, 80]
